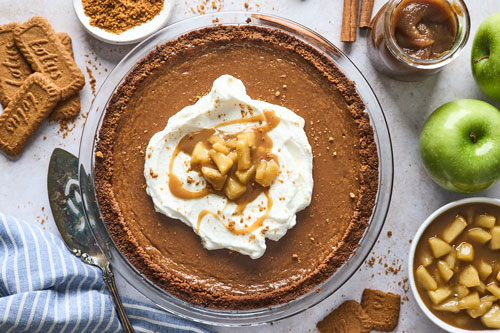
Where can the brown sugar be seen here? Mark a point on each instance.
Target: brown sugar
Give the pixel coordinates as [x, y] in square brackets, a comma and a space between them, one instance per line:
[119, 16]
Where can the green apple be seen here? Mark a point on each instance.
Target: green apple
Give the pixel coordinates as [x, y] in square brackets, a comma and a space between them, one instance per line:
[485, 57]
[460, 145]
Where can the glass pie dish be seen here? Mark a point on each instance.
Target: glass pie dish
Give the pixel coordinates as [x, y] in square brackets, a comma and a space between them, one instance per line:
[121, 265]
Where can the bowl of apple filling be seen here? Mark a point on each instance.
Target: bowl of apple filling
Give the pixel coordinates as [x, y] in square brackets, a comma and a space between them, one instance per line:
[454, 266]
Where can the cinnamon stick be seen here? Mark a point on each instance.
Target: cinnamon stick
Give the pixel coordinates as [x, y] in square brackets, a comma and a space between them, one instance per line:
[366, 13]
[349, 21]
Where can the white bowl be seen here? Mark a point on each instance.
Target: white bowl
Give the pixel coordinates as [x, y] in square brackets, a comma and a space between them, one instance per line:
[131, 36]
[414, 244]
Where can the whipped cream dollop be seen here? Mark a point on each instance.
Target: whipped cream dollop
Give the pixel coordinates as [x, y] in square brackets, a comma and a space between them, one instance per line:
[209, 216]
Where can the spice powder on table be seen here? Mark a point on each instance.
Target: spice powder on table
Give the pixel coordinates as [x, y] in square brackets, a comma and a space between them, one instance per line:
[117, 16]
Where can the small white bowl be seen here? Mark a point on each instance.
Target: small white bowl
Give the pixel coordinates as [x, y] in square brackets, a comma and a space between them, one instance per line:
[414, 244]
[131, 36]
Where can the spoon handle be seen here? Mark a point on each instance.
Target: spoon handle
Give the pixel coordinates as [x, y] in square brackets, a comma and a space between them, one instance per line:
[109, 279]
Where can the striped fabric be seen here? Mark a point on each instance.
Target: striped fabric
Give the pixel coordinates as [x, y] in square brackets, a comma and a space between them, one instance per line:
[44, 288]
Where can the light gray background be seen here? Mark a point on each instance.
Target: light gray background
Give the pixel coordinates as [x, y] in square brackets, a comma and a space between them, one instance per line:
[406, 106]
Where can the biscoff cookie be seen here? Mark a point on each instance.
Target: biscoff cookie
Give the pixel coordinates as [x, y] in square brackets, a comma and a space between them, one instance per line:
[66, 41]
[14, 69]
[70, 107]
[382, 308]
[349, 317]
[32, 103]
[40, 46]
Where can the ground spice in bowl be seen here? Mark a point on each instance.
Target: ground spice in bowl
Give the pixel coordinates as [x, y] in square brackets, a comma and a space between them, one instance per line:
[117, 16]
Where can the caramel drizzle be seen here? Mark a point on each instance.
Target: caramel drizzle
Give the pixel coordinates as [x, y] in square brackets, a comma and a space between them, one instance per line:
[186, 145]
[231, 225]
[204, 213]
[253, 119]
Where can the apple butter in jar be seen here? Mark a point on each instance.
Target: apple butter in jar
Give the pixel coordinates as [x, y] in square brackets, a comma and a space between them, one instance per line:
[412, 39]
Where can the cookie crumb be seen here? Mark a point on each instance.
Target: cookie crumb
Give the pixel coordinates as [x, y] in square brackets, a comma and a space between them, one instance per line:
[92, 80]
[107, 15]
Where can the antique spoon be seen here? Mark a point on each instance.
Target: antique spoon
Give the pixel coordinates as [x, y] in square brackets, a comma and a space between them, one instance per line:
[66, 202]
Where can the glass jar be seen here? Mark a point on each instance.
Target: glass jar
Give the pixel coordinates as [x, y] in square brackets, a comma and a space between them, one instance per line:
[390, 59]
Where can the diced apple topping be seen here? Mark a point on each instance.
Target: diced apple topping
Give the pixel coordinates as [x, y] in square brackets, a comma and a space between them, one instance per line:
[266, 172]
[486, 221]
[470, 301]
[451, 259]
[232, 161]
[484, 306]
[232, 155]
[454, 229]
[216, 139]
[426, 259]
[489, 298]
[439, 248]
[461, 291]
[439, 295]
[469, 277]
[425, 279]
[223, 162]
[231, 144]
[448, 306]
[243, 150]
[491, 318]
[200, 154]
[445, 270]
[245, 176]
[248, 138]
[479, 235]
[481, 287]
[234, 189]
[221, 148]
[485, 270]
[493, 289]
[214, 177]
[465, 252]
[495, 238]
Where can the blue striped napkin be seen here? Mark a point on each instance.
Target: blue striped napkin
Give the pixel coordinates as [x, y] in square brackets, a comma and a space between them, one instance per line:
[44, 288]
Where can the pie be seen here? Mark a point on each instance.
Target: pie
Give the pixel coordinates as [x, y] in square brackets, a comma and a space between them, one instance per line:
[277, 68]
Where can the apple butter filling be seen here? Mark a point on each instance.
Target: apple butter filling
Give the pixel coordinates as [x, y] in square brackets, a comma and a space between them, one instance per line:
[424, 29]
